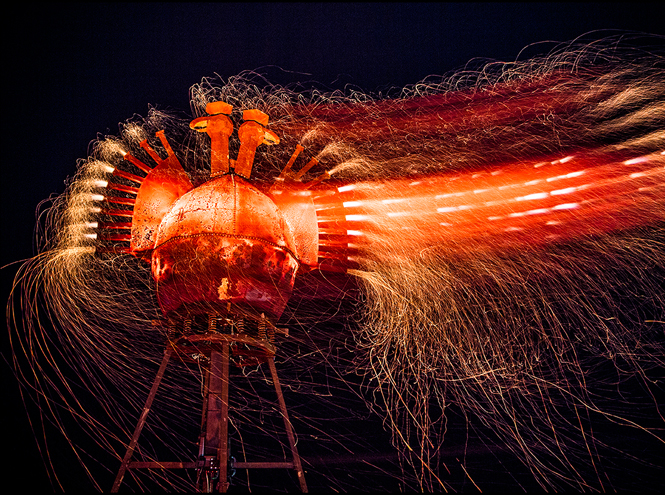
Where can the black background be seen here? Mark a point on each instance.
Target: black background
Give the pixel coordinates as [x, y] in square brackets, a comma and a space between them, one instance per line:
[72, 71]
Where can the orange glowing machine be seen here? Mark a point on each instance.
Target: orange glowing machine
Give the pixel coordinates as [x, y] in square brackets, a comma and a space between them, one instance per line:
[224, 256]
[225, 243]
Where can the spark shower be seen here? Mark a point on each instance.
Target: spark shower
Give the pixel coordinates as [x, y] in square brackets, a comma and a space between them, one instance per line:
[489, 243]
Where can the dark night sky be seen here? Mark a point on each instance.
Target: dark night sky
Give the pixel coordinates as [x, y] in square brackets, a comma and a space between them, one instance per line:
[75, 70]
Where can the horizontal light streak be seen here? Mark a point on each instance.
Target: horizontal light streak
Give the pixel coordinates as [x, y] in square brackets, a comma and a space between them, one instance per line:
[571, 175]
[356, 218]
[566, 206]
[555, 162]
[634, 161]
[538, 211]
[450, 209]
[530, 197]
[567, 190]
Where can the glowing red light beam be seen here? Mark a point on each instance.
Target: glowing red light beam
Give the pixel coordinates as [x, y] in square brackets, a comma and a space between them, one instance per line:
[513, 204]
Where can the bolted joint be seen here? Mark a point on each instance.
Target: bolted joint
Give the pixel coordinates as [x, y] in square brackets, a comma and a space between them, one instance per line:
[208, 463]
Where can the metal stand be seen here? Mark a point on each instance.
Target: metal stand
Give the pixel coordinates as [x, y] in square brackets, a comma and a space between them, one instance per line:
[213, 461]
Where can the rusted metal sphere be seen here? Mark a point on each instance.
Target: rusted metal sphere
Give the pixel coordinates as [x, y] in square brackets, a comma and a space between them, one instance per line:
[224, 243]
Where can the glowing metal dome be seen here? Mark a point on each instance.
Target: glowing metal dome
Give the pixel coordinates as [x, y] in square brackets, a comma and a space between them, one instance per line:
[224, 242]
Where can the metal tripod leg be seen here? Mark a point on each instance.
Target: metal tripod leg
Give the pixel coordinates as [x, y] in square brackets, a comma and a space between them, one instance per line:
[287, 425]
[213, 442]
[217, 416]
[141, 422]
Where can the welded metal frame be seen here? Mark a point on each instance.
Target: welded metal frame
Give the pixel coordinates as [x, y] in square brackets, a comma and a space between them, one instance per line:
[214, 459]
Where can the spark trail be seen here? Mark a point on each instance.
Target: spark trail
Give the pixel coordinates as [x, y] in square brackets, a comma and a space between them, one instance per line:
[500, 230]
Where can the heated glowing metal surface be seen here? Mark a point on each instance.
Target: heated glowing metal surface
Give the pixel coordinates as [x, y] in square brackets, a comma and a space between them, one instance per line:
[224, 242]
[159, 190]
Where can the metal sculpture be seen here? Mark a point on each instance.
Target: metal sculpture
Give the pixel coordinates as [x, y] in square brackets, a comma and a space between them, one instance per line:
[225, 252]
[503, 229]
